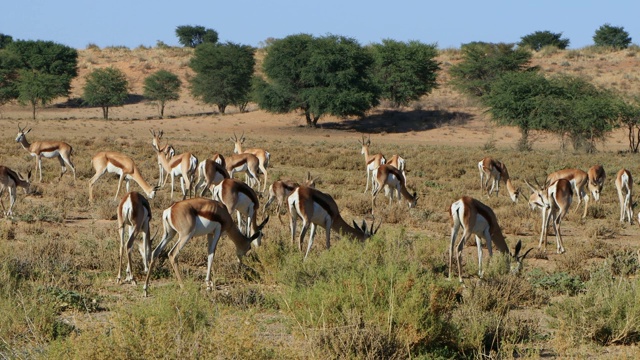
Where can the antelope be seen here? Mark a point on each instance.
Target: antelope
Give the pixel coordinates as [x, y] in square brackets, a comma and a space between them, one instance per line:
[318, 208]
[198, 217]
[578, 180]
[554, 200]
[387, 175]
[9, 180]
[478, 219]
[121, 164]
[262, 155]
[210, 173]
[281, 189]
[372, 162]
[239, 197]
[245, 162]
[183, 165]
[48, 149]
[624, 184]
[168, 150]
[596, 180]
[134, 211]
[495, 171]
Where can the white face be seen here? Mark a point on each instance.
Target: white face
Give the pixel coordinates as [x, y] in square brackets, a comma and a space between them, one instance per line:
[20, 136]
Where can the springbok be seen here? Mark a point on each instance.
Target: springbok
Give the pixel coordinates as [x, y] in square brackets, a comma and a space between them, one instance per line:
[495, 171]
[478, 219]
[9, 180]
[183, 165]
[624, 185]
[211, 173]
[197, 217]
[47, 149]
[318, 208]
[134, 211]
[554, 200]
[372, 162]
[579, 181]
[239, 197]
[262, 155]
[387, 175]
[121, 164]
[281, 189]
[597, 176]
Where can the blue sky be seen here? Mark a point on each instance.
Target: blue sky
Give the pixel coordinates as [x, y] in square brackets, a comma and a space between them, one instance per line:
[448, 24]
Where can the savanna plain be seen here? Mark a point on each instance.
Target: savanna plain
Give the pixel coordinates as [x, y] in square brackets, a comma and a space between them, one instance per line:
[387, 297]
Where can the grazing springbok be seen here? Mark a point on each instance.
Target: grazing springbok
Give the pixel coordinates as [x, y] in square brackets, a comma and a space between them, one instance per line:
[387, 175]
[121, 164]
[197, 217]
[10, 180]
[554, 200]
[478, 219]
[495, 171]
[240, 198]
[245, 162]
[281, 189]
[578, 179]
[262, 155]
[183, 165]
[134, 211]
[372, 162]
[318, 208]
[47, 149]
[624, 185]
[211, 173]
[597, 176]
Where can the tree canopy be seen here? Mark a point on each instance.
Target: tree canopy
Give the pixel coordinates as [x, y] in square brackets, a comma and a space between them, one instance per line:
[162, 86]
[192, 36]
[224, 74]
[405, 71]
[613, 36]
[106, 88]
[484, 62]
[318, 76]
[540, 39]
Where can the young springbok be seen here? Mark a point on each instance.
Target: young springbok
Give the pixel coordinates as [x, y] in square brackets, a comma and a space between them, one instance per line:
[372, 162]
[624, 185]
[262, 155]
[554, 200]
[387, 175]
[281, 189]
[495, 171]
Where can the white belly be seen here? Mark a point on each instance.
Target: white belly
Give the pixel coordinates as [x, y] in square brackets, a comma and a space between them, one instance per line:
[244, 205]
[113, 169]
[205, 226]
[319, 215]
[480, 226]
[49, 154]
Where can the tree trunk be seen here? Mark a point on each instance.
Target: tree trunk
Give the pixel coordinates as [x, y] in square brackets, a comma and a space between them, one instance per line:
[312, 121]
[105, 112]
[162, 110]
[33, 109]
[222, 108]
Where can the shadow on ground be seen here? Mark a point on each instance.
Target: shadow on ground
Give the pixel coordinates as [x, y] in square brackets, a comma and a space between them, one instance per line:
[396, 121]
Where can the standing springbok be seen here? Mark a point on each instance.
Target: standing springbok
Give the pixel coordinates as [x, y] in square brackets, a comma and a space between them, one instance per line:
[318, 208]
[121, 164]
[478, 219]
[387, 175]
[168, 150]
[578, 179]
[597, 176]
[48, 149]
[554, 200]
[624, 185]
[240, 198]
[495, 171]
[281, 189]
[197, 217]
[372, 162]
[183, 165]
[262, 155]
[245, 162]
[9, 180]
[133, 211]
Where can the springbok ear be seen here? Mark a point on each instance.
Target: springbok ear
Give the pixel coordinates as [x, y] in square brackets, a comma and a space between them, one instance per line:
[356, 225]
[26, 132]
[525, 254]
[518, 248]
[152, 132]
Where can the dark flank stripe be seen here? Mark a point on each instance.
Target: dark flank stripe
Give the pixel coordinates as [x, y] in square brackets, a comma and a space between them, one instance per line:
[238, 163]
[245, 189]
[318, 197]
[290, 186]
[50, 149]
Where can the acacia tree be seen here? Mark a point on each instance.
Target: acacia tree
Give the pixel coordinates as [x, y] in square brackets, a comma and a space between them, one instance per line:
[484, 62]
[405, 71]
[223, 74]
[629, 117]
[540, 39]
[318, 76]
[192, 36]
[613, 36]
[106, 88]
[9, 72]
[162, 86]
[37, 88]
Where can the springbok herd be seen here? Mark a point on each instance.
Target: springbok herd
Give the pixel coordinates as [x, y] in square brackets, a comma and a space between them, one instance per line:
[198, 216]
